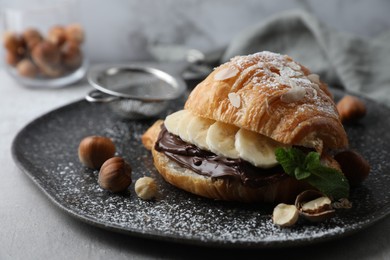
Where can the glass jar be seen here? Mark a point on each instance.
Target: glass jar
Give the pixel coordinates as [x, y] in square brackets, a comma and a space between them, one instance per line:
[43, 43]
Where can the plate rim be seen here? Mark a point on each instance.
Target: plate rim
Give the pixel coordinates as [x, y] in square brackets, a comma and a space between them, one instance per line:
[374, 217]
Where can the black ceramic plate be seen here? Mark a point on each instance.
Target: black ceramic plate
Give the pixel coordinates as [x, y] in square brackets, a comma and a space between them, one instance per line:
[46, 150]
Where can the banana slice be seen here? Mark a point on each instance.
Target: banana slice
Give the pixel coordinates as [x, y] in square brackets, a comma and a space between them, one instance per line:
[223, 139]
[197, 131]
[172, 121]
[220, 139]
[183, 126]
[257, 149]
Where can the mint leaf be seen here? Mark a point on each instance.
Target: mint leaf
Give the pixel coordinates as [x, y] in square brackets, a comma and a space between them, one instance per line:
[308, 167]
[312, 161]
[290, 159]
[301, 174]
[329, 181]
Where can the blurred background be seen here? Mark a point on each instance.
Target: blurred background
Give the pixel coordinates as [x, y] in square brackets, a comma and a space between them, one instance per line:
[133, 30]
[127, 30]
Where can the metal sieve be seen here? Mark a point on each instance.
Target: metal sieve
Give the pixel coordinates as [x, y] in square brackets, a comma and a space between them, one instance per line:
[134, 91]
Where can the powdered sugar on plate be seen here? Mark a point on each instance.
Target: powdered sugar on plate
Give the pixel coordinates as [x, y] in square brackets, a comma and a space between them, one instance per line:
[46, 150]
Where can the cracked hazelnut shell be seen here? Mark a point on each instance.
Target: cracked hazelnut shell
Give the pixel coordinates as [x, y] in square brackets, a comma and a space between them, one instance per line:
[317, 213]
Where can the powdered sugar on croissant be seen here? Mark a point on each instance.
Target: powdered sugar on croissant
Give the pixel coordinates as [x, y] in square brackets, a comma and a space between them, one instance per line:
[279, 98]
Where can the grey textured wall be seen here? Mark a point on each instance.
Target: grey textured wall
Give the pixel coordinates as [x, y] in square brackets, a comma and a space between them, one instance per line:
[123, 30]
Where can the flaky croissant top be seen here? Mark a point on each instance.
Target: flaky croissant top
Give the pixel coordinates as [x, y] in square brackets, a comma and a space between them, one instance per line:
[273, 95]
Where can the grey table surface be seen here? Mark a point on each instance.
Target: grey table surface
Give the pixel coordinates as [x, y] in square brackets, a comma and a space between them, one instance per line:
[32, 227]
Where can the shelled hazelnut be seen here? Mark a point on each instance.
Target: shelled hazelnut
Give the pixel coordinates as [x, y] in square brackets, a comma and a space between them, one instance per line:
[55, 55]
[285, 215]
[311, 205]
[146, 188]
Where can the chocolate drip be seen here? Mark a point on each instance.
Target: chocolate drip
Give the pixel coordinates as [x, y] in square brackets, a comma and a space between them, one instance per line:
[216, 166]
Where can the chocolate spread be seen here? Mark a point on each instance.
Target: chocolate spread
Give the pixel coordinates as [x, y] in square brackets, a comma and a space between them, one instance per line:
[209, 164]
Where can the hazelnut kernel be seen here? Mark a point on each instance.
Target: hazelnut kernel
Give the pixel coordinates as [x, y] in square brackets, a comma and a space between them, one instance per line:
[115, 175]
[95, 150]
[285, 215]
[146, 188]
[26, 68]
[317, 205]
[351, 108]
[314, 206]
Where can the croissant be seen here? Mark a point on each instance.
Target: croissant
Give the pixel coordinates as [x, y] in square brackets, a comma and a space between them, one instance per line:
[235, 119]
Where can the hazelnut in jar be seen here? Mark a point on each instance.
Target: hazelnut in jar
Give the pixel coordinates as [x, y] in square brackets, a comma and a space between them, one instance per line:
[48, 40]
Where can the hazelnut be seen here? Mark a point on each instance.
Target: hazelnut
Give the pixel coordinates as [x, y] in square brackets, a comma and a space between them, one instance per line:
[26, 68]
[314, 206]
[146, 188]
[351, 108]
[47, 57]
[285, 215]
[115, 175]
[13, 43]
[95, 150]
[12, 59]
[46, 53]
[56, 35]
[32, 37]
[353, 165]
[71, 55]
[74, 33]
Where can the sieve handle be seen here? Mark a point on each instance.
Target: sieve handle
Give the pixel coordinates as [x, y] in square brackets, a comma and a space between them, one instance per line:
[96, 96]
